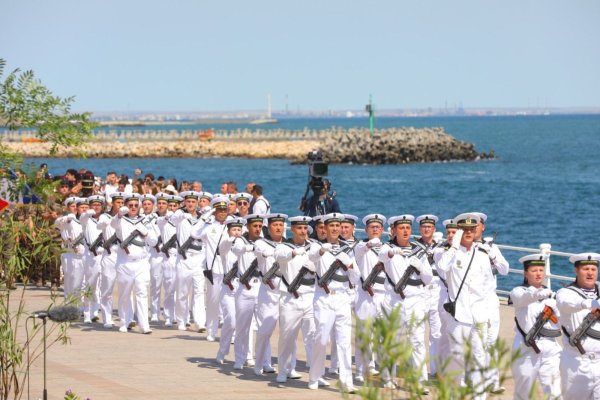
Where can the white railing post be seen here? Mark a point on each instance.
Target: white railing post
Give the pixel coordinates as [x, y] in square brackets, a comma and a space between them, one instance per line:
[545, 249]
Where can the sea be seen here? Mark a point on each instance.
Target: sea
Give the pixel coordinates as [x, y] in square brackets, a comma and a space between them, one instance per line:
[542, 187]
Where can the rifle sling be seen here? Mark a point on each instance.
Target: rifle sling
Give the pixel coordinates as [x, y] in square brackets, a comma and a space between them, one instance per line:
[549, 333]
[340, 278]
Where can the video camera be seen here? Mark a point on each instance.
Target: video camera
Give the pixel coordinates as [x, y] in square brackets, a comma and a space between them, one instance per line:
[317, 169]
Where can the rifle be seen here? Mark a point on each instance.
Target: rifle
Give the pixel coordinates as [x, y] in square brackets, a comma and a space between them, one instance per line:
[267, 278]
[230, 275]
[78, 240]
[157, 245]
[581, 331]
[403, 281]
[534, 332]
[295, 284]
[324, 280]
[111, 240]
[129, 239]
[183, 248]
[169, 244]
[368, 283]
[245, 278]
[95, 244]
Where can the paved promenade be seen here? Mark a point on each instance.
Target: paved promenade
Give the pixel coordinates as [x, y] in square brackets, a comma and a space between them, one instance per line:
[168, 364]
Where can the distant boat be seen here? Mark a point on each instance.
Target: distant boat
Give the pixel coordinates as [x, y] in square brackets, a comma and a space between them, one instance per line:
[268, 119]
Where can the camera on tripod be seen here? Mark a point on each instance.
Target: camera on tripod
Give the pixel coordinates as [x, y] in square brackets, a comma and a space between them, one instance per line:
[317, 169]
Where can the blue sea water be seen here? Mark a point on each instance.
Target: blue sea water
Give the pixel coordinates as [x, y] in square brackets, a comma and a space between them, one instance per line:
[542, 188]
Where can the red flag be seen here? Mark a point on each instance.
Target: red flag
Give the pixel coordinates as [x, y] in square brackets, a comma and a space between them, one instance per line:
[3, 204]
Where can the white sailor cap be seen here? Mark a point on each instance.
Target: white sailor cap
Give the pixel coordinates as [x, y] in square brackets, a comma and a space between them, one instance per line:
[350, 219]
[482, 216]
[333, 217]
[449, 223]
[426, 219]
[467, 220]
[310, 229]
[206, 195]
[401, 219]
[81, 200]
[250, 218]
[70, 200]
[219, 202]
[96, 198]
[117, 196]
[131, 196]
[173, 198]
[585, 259]
[243, 196]
[162, 196]
[300, 220]
[148, 196]
[190, 194]
[275, 217]
[318, 219]
[235, 221]
[532, 260]
[368, 219]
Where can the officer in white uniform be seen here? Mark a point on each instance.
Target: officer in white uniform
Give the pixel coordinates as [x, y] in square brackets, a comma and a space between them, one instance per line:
[534, 302]
[133, 267]
[369, 301]
[71, 265]
[295, 307]
[580, 373]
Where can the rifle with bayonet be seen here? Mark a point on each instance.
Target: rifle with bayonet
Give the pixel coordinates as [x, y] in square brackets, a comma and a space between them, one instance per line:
[169, 244]
[295, 284]
[368, 283]
[111, 240]
[576, 337]
[95, 244]
[267, 278]
[125, 243]
[245, 278]
[538, 325]
[230, 275]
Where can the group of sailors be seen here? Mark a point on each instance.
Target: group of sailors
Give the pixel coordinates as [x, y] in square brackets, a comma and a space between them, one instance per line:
[242, 274]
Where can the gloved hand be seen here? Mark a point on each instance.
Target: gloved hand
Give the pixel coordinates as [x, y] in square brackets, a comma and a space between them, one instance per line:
[299, 251]
[231, 239]
[249, 247]
[310, 266]
[552, 304]
[398, 251]
[486, 247]
[344, 259]
[543, 294]
[142, 229]
[207, 210]
[375, 242]
[268, 253]
[457, 238]
[591, 304]
[90, 212]
[70, 217]
[123, 211]
[169, 213]
[79, 250]
[415, 262]
[326, 246]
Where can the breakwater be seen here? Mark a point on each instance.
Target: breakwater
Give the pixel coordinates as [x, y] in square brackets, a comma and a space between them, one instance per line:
[354, 145]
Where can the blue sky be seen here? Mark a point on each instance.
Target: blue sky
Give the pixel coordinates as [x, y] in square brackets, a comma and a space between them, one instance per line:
[331, 54]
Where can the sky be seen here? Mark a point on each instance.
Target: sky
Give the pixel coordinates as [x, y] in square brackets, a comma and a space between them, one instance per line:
[199, 55]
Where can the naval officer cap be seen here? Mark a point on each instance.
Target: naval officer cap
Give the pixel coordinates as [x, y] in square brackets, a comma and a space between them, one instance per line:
[117, 196]
[190, 194]
[450, 224]
[206, 195]
[96, 198]
[219, 202]
[372, 218]
[300, 220]
[243, 197]
[482, 216]
[585, 259]
[235, 222]
[401, 219]
[350, 219]
[162, 196]
[533, 260]
[148, 196]
[426, 219]
[318, 219]
[250, 218]
[467, 220]
[275, 217]
[333, 217]
[131, 197]
[81, 200]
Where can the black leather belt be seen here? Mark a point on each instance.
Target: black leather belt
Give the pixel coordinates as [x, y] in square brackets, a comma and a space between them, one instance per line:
[307, 281]
[414, 282]
[340, 278]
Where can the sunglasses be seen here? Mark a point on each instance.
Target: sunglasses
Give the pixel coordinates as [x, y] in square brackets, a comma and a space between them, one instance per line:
[242, 203]
[133, 206]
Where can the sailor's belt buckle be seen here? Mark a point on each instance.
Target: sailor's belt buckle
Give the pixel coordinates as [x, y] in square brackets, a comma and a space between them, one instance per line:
[430, 287]
[254, 280]
[338, 291]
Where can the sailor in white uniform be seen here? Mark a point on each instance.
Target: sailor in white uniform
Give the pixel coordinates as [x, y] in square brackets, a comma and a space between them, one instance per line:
[579, 306]
[69, 262]
[157, 258]
[535, 306]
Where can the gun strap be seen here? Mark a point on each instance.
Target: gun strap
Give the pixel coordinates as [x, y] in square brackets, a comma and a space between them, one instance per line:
[464, 278]
[307, 281]
[217, 248]
[414, 282]
[340, 278]
[550, 333]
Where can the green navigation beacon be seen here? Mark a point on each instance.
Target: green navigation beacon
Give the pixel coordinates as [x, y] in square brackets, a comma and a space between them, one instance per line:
[369, 108]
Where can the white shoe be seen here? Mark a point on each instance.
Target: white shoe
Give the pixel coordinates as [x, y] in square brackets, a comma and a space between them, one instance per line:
[281, 379]
[258, 371]
[168, 323]
[373, 371]
[424, 391]
[154, 318]
[322, 382]
[250, 363]
[389, 385]
[313, 385]
[294, 375]
[359, 379]
[220, 359]
[123, 329]
[497, 389]
[269, 369]
[210, 338]
[238, 367]
[87, 321]
[181, 327]
[201, 329]
[108, 326]
[349, 389]
[147, 332]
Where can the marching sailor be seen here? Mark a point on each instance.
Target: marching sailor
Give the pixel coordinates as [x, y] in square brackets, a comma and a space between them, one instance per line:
[156, 257]
[579, 306]
[66, 258]
[536, 320]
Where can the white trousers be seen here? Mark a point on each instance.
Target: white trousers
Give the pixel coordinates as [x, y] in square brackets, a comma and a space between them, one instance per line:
[92, 275]
[156, 277]
[492, 377]
[294, 315]
[190, 282]
[213, 304]
[580, 374]
[333, 312]
[267, 314]
[432, 313]
[245, 312]
[228, 308]
[133, 276]
[169, 282]
[545, 368]
[367, 307]
[74, 277]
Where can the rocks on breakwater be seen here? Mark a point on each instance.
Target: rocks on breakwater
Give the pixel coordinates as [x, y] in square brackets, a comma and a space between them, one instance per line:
[395, 146]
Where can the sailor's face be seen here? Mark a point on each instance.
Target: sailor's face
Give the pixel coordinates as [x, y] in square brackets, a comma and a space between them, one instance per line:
[231, 208]
[300, 232]
[148, 206]
[587, 275]
[254, 229]
[374, 230]
[243, 206]
[173, 206]
[82, 208]
[276, 230]
[134, 208]
[72, 208]
[450, 234]
[203, 202]
[235, 231]
[220, 214]
[162, 206]
[402, 232]
[332, 231]
[347, 230]
[321, 232]
[117, 203]
[427, 230]
[97, 207]
[191, 205]
[468, 236]
[535, 275]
